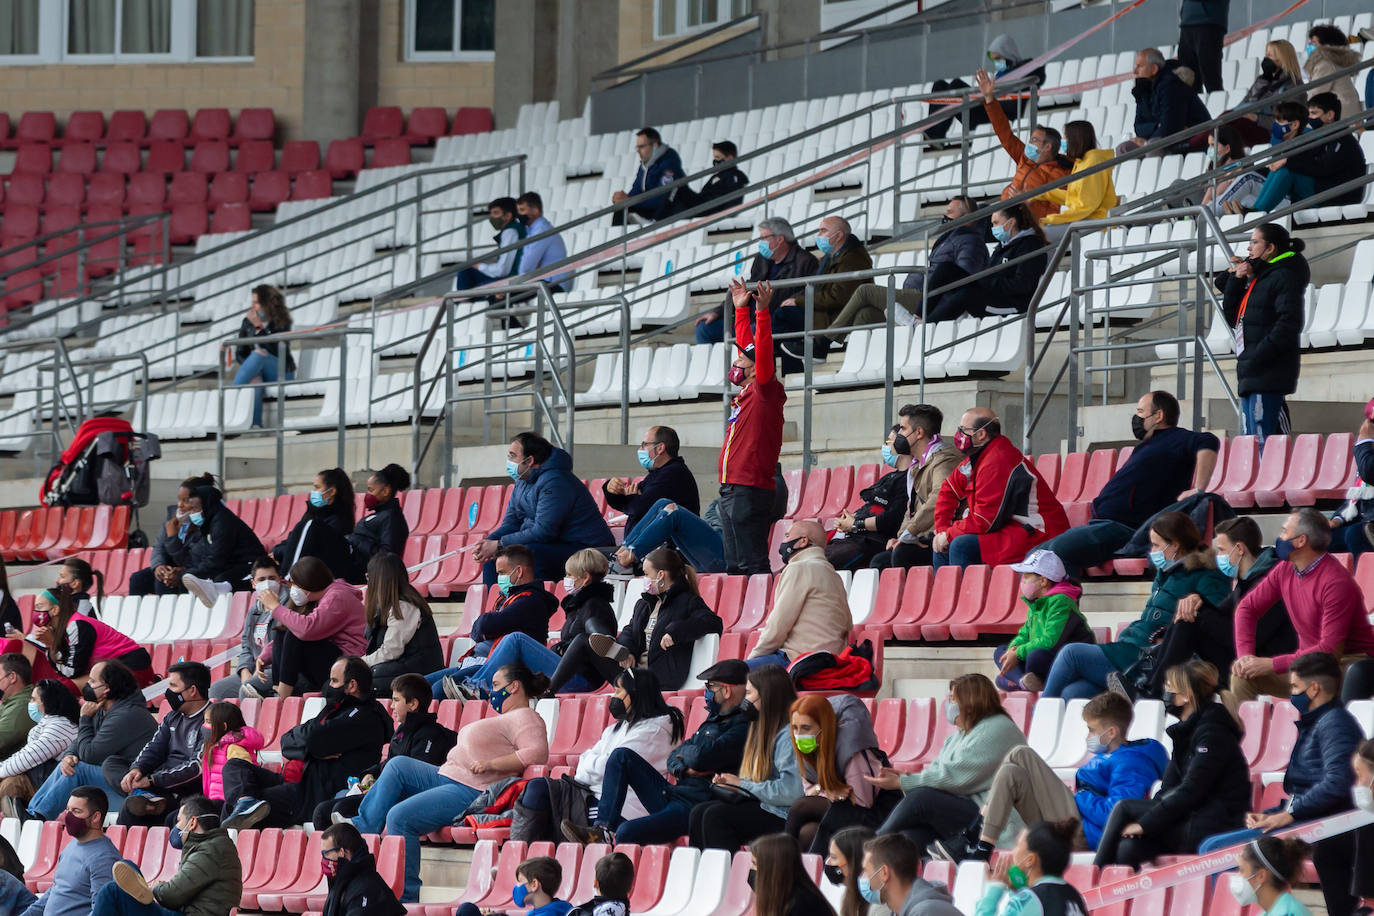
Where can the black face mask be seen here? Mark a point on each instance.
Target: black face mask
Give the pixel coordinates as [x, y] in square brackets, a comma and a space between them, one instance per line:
[833, 874]
[333, 694]
[174, 700]
[787, 548]
[751, 879]
[1143, 84]
[1315, 123]
[88, 694]
[1170, 707]
[1138, 426]
[617, 709]
[525, 218]
[746, 709]
[1269, 68]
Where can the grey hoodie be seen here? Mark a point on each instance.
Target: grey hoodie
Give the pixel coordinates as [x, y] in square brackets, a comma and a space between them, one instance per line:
[1004, 46]
[926, 899]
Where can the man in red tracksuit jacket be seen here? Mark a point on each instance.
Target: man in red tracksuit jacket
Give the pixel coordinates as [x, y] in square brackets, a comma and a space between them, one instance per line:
[753, 437]
[995, 506]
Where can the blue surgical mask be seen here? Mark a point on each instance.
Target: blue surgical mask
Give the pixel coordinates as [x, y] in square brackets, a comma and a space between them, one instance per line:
[1000, 65]
[889, 456]
[512, 470]
[498, 698]
[1225, 566]
[1002, 234]
[823, 243]
[175, 838]
[1032, 152]
[765, 249]
[712, 704]
[1211, 154]
[1095, 745]
[867, 892]
[34, 714]
[645, 461]
[503, 583]
[518, 895]
[197, 519]
[1310, 49]
[1157, 558]
[1283, 548]
[1063, 147]
[317, 499]
[1301, 702]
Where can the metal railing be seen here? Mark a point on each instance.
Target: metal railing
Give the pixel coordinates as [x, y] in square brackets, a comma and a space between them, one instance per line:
[51, 400]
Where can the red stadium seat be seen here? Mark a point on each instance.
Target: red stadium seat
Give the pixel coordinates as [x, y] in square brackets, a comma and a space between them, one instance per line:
[36, 127]
[4, 128]
[944, 591]
[122, 158]
[210, 156]
[973, 589]
[1001, 610]
[1101, 464]
[1279, 738]
[84, 127]
[231, 218]
[813, 494]
[1071, 477]
[916, 733]
[755, 603]
[127, 126]
[102, 257]
[837, 491]
[344, 158]
[255, 156]
[388, 153]
[269, 189]
[1335, 472]
[209, 124]
[167, 157]
[1267, 489]
[28, 190]
[189, 188]
[147, 189]
[189, 222]
[66, 190]
[865, 475]
[33, 158]
[228, 188]
[312, 185]
[1048, 467]
[1241, 460]
[300, 156]
[471, 121]
[887, 601]
[169, 124]
[382, 122]
[426, 125]
[20, 223]
[1304, 461]
[254, 124]
[77, 159]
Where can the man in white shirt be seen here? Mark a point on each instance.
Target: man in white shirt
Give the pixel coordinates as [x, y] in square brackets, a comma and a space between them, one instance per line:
[509, 231]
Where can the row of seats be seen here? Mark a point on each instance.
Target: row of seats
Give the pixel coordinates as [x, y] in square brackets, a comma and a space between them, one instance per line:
[145, 192]
[135, 127]
[424, 125]
[37, 535]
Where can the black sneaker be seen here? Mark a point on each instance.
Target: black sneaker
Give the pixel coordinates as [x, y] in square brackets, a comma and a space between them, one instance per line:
[951, 849]
[592, 833]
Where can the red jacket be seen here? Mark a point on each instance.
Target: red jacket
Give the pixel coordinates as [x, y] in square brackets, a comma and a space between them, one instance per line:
[1000, 496]
[753, 434]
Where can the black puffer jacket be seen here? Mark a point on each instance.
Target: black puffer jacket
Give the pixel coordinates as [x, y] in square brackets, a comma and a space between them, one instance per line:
[682, 615]
[1272, 326]
[1206, 787]
[588, 610]
[384, 528]
[1008, 291]
[222, 548]
[357, 890]
[422, 737]
[885, 501]
[343, 740]
[326, 538]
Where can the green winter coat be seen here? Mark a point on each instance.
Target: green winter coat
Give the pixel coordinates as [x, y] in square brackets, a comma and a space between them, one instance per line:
[1195, 572]
[1052, 621]
[209, 880]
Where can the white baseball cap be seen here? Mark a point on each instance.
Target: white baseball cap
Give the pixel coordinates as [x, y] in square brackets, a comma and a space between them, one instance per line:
[1043, 563]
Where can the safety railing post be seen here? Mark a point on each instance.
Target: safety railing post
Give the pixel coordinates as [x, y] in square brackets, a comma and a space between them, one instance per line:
[1075, 317]
[808, 389]
[219, 431]
[890, 354]
[449, 371]
[1199, 303]
[281, 412]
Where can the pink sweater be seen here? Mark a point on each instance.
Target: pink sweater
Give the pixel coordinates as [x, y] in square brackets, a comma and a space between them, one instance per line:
[212, 773]
[109, 642]
[337, 617]
[1325, 605]
[521, 732]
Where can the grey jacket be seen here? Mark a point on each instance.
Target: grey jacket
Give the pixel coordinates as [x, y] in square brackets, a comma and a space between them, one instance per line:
[784, 786]
[249, 647]
[120, 731]
[172, 757]
[926, 899]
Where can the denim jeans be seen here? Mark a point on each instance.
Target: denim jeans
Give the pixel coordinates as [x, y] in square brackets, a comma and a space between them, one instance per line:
[963, 551]
[15, 897]
[699, 542]
[112, 901]
[1037, 662]
[772, 658]
[51, 798]
[1089, 545]
[471, 278]
[1079, 672]
[1352, 536]
[513, 647]
[411, 799]
[668, 818]
[1264, 415]
[1284, 183]
[263, 366]
[709, 332]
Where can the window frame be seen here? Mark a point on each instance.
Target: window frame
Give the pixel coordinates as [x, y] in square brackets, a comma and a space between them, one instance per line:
[681, 9]
[441, 57]
[54, 19]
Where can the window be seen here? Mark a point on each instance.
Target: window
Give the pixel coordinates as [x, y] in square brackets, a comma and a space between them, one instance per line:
[439, 30]
[680, 17]
[112, 31]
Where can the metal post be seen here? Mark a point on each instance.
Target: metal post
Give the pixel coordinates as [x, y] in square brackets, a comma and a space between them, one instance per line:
[219, 437]
[1075, 314]
[419, 233]
[1199, 303]
[281, 413]
[449, 371]
[889, 395]
[807, 391]
[343, 398]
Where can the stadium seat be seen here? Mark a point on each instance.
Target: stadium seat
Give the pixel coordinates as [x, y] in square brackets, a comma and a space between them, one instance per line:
[972, 592]
[255, 156]
[77, 159]
[167, 157]
[382, 122]
[102, 257]
[25, 189]
[36, 127]
[269, 190]
[149, 190]
[20, 223]
[127, 126]
[34, 159]
[1241, 460]
[1335, 474]
[210, 156]
[84, 127]
[300, 156]
[4, 129]
[426, 125]
[122, 158]
[169, 124]
[1304, 461]
[471, 121]
[389, 153]
[944, 590]
[189, 188]
[189, 222]
[344, 158]
[209, 125]
[66, 189]
[1267, 489]
[228, 188]
[312, 185]
[254, 124]
[234, 217]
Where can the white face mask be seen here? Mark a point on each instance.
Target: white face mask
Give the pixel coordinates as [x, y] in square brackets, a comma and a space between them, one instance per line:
[267, 585]
[569, 585]
[1240, 889]
[298, 596]
[1364, 798]
[951, 711]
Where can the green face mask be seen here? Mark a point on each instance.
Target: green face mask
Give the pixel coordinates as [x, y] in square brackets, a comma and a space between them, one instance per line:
[806, 744]
[1016, 878]
[496, 223]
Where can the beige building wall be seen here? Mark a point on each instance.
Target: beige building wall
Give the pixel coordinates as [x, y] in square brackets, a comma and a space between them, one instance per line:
[448, 85]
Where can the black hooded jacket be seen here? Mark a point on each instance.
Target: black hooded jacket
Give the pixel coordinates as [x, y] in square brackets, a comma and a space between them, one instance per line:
[588, 610]
[342, 740]
[357, 890]
[222, 548]
[682, 615]
[1206, 787]
[326, 538]
[1271, 325]
[384, 528]
[422, 737]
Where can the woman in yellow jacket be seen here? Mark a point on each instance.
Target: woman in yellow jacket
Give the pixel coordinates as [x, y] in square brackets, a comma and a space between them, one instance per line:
[1087, 198]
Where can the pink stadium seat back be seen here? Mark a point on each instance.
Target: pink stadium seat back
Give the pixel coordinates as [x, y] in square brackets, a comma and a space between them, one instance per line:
[1048, 467]
[169, 124]
[916, 733]
[972, 591]
[1267, 488]
[166, 156]
[300, 156]
[793, 479]
[382, 122]
[189, 222]
[210, 156]
[1335, 472]
[813, 493]
[33, 158]
[209, 124]
[1071, 477]
[233, 217]
[255, 156]
[1101, 464]
[944, 591]
[1242, 459]
[66, 190]
[471, 121]
[105, 189]
[84, 127]
[36, 127]
[1304, 461]
[255, 124]
[344, 158]
[189, 188]
[127, 126]
[389, 153]
[26, 190]
[1001, 610]
[269, 190]
[837, 491]
[887, 602]
[77, 159]
[426, 125]
[314, 184]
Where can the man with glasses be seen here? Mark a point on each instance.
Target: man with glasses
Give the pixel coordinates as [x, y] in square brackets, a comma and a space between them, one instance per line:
[355, 888]
[664, 507]
[995, 506]
[659, 165]
[779, 257]
[841, 253]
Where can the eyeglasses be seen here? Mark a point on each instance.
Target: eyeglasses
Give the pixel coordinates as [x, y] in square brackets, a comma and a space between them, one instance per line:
[649, 444]
[327, 853]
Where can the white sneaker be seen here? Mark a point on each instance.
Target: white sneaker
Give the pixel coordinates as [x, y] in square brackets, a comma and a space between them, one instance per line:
[206, 590]
[338, 818]
[248, 692]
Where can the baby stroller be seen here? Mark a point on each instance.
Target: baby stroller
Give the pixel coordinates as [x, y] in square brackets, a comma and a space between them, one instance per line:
[107, 463]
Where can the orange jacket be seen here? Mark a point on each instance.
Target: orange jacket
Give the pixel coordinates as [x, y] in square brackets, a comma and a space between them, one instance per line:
[1029, 174]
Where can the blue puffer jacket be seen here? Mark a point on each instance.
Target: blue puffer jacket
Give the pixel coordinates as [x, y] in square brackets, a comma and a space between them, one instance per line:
[1130, 771]
[1319, 774]
[663, 167]
[553, 506]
